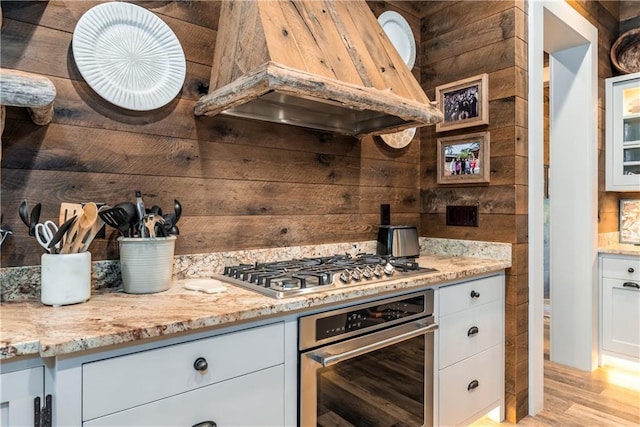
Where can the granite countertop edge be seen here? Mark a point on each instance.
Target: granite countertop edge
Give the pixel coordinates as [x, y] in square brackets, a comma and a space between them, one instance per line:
[110, 318]
[620, 249]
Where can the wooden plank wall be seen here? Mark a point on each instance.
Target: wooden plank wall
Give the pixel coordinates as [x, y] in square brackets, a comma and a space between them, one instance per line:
[461, 39]
[457, 40]
[243, 184]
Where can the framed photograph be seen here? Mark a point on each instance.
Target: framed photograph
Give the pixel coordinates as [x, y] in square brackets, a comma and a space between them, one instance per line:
[464, 103]
[630, 221]
[464, 159]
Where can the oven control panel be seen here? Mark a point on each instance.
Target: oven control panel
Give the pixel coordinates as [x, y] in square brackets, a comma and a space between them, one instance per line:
[370, 316]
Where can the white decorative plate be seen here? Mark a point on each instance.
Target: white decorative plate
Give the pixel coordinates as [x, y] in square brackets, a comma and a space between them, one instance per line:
[400, 34]
[129, 56]
[399, 139]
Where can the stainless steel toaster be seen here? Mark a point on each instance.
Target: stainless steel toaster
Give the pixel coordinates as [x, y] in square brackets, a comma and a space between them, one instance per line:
[398, 241]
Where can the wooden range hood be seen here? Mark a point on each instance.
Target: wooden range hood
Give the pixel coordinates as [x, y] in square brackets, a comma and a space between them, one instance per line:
[320, 64]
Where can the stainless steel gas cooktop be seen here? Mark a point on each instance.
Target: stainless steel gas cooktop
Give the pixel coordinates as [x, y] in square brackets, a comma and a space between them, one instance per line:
[281, 279]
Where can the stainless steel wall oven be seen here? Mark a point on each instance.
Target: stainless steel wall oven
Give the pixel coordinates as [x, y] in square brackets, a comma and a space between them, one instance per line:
[369, 364]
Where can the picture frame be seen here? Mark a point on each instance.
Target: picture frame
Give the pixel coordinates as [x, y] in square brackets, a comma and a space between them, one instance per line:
[464, 159]
[464, 103]
[630, 221]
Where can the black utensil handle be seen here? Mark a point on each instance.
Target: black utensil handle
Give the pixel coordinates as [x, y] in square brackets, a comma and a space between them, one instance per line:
[61, 231]
[631, 285]
[472, 331]
[177, 209]
[34, 219]
[473, 385]
[23, 211]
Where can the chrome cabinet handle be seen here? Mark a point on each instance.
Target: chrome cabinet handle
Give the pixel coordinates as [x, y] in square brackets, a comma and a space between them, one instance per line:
[473, 385]
[472, 331]
[475, 294]
[631, 285]
[200, 364]
[332, 359]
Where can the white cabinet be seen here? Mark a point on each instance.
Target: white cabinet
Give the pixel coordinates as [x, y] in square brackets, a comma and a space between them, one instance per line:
[470, 373]
[249, 400]
[234, 379]
[620, 306]
[622, 113]
[21, 392]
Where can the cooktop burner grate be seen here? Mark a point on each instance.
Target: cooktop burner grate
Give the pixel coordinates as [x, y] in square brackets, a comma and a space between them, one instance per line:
[306, 275]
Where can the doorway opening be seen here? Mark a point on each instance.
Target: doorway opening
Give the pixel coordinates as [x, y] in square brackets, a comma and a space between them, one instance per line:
[571, 42]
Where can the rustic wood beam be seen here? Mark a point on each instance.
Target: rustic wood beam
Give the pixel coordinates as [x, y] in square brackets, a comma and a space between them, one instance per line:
[32, 91]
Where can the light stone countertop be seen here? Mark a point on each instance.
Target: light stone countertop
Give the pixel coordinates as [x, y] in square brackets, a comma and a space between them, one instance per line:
[620, 249]
[31, 328]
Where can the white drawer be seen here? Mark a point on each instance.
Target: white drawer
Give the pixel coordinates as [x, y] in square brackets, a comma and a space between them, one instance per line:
[621, 268]
[465, 295]
[256, 399]
[469, 332]
[457, 399]
[119, 383]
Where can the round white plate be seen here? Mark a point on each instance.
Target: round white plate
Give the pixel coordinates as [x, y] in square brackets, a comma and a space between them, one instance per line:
[129, 56]
[400, 34]
[399, 139]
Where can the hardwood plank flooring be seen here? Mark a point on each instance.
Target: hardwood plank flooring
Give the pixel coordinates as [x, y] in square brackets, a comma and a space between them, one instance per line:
[608, 396]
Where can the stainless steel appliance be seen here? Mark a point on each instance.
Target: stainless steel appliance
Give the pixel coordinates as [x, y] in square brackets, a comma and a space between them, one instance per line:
[302, 276]
[369, 365]
[398, 240]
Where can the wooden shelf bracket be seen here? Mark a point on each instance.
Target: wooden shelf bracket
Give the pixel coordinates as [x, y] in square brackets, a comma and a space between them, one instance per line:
[29, 90]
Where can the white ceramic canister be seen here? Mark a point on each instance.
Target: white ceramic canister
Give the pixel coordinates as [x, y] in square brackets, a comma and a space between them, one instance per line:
[146, 263]
[65, 278]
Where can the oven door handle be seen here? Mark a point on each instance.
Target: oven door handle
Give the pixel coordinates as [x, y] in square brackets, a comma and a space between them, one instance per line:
[331, 359]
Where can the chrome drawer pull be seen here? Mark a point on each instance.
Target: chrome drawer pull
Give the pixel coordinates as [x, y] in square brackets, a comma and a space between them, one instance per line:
[473, 385]
[472, 331]
[475, 294]
[631, 285]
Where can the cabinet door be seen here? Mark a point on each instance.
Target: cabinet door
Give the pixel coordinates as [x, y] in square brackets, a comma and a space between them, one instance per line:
[621, 317]
[469, 332]
[17, 393]
[623, 134]
[470, 386]
[255, 399]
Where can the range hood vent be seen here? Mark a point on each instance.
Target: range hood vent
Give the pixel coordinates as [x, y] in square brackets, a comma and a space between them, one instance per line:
[320, 64]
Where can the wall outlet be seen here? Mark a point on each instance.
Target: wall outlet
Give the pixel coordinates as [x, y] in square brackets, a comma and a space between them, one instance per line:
[465, 216]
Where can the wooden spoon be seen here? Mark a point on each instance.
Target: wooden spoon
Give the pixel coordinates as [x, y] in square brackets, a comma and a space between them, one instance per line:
[85, 222]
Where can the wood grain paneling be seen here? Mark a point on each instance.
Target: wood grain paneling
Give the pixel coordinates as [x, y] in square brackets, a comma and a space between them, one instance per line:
[456, 45]
[242, 183]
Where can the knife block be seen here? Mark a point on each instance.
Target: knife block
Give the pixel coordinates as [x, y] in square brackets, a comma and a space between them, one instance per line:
[65, 278]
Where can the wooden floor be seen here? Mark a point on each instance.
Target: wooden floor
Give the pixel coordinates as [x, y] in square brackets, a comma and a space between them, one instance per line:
[608, 396]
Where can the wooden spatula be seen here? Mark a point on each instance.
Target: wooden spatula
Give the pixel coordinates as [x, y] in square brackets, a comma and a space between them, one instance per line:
[68, 210]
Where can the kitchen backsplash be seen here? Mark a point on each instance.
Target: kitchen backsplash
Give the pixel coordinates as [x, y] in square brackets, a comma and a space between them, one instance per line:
[23, 283]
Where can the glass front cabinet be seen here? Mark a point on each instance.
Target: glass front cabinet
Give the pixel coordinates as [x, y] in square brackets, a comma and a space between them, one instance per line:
[623, 133]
